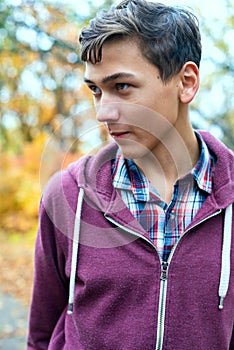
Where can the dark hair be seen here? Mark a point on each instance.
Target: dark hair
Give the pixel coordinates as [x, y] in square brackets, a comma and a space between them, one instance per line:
[168, 36]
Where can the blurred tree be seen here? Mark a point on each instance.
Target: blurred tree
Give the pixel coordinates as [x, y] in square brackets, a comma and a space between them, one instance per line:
[41, 75]
[43, 102]
[215, 104]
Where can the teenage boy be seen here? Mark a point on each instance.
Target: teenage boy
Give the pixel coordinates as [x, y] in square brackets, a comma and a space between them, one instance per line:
[135, 248]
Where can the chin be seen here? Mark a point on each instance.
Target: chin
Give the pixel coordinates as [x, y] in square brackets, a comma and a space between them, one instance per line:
[133, 150]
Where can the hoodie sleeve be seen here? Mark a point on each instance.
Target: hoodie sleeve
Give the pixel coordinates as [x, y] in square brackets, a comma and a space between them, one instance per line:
[50, 290]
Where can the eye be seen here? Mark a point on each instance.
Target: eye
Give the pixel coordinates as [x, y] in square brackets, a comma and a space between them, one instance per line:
[122, 86]
[95, 90]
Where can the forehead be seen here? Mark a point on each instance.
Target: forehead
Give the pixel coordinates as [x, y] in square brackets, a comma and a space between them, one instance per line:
[121, 55]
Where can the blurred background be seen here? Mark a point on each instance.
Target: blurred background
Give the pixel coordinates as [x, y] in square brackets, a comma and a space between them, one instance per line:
[47, 119]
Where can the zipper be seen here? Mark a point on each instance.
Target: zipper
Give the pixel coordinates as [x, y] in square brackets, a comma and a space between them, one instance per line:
[162, 305]
[164, 274]
[163, 285]
[132, 232]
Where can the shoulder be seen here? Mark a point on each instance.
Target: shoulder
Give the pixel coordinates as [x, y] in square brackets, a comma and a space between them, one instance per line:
[59, 197]
[224, 170]
[217, 146]
[63, 187]
[61, 182]
[58, 204]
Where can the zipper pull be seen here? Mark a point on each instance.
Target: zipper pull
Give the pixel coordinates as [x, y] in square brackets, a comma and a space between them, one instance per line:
[164, 271]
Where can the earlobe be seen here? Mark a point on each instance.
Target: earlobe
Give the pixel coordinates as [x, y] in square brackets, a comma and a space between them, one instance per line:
[189, 82]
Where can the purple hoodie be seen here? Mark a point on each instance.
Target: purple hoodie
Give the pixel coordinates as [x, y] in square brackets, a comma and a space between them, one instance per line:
[100, 284]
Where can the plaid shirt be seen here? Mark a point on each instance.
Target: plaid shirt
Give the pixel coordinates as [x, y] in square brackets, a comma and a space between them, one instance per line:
[164, 223]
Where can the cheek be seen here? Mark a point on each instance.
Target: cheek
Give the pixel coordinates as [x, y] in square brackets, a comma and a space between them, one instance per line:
[168, 108]
[141, 117]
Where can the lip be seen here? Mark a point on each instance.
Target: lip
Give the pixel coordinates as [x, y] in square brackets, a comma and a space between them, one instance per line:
[119, 134]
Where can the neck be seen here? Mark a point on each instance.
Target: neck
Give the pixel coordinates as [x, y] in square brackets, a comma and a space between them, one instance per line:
[170, 160]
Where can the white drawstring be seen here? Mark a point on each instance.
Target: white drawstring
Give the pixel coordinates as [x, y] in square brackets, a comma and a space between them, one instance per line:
[75, 245]
[226, 256]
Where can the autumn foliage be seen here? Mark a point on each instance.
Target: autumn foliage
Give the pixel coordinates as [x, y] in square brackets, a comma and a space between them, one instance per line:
[20, 188]
[41, 86]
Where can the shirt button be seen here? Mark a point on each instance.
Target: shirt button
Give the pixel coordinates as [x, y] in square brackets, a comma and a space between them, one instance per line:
[172, 215]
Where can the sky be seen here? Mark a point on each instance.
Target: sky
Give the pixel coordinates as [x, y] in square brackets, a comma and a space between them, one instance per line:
[208, 8]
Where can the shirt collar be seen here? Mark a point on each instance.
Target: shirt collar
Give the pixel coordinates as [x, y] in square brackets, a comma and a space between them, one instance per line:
[127, 176]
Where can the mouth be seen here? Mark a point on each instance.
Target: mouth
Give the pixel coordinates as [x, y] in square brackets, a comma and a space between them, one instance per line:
[118, 134]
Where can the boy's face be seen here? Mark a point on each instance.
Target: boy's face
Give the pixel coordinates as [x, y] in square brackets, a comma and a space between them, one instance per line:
[138, 108]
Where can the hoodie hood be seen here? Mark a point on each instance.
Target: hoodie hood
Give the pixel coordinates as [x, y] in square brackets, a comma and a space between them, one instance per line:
[223, 191]
[91, 173]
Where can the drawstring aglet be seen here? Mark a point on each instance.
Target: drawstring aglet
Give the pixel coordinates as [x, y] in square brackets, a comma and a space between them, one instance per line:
[221, 300]
[70, 309]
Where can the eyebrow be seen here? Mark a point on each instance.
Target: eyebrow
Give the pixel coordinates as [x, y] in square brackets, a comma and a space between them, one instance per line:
[111, 77]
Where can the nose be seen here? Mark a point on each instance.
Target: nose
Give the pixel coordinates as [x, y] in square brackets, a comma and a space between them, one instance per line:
[107, 109]
[107, 113]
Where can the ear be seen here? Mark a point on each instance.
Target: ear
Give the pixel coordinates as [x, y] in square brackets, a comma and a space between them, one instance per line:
[190, 81]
